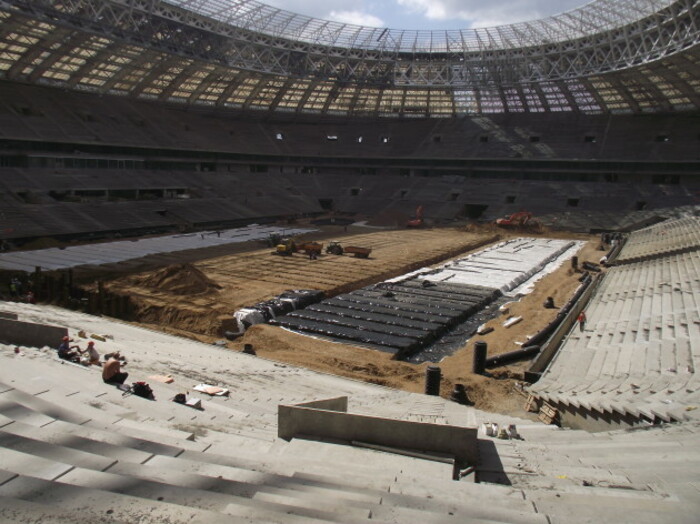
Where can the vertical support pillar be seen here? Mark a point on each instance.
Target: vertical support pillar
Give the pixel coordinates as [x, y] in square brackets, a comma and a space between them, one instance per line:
[433, 376]
[480, 351]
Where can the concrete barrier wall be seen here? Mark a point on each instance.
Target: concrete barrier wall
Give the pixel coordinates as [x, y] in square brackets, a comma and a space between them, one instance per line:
[303, 421]
[330, 404]
[29, 334]
[551, 346]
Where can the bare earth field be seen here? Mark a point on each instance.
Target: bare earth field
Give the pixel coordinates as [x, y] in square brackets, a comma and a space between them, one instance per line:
[198, 299]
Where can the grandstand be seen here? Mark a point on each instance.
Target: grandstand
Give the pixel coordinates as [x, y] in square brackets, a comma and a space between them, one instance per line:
[176, 117]
[638, 355]
[182, 118]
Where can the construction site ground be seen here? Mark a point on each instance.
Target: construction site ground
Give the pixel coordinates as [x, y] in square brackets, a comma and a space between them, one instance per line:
[197, 298]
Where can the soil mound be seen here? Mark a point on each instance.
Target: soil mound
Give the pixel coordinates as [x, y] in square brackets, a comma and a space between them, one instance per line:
[180, 279]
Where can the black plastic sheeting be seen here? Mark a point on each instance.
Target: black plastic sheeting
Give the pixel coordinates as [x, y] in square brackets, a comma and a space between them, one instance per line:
[389, 343]
[449, 293]
[432, 304]
[393, 320]
[456, 337]
[346, 302]
[368, 303]
[286, 302]
[401, 317]
[363, 324]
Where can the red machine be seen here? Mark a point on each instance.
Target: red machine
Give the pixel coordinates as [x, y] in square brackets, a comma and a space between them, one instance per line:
[418, 220]
[519, 219]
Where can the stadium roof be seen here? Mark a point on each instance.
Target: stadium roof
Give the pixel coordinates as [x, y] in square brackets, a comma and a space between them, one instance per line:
[629, 56]
[598, 16]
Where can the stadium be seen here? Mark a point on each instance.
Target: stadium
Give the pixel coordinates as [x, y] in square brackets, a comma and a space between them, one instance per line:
[186, 181]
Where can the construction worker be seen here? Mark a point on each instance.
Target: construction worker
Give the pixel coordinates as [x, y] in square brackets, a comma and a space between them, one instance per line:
[582, 320]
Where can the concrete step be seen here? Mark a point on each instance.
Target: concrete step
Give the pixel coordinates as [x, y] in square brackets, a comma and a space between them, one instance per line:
[453, 502]
[39, 412]
[465, 493]
[354, 511]
[61, 454]
[17, 462]
[52, 434]
[618, 505]
[395, 514]
[18, 511]
[188, 497]
[12, 411]
[270, 482]
[356, 461]
[90, 504]
[63, 432]
[158, 431]
[42, 406]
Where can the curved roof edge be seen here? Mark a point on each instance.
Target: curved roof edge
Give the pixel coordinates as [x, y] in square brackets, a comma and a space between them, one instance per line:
[595, 17]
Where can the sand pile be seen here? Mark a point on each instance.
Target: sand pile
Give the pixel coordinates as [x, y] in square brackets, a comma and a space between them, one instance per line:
[179, 279]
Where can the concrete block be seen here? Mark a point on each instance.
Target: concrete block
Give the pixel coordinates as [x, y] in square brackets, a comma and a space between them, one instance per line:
[459, 442]
[30, 334]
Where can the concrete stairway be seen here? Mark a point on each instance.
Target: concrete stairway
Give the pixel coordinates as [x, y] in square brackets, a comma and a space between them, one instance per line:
[73, 449]
[91, 466]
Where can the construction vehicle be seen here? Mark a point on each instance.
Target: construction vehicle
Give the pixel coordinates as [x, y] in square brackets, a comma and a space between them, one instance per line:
[521, 219]
[359, 252]
[285, 248]
[310, 248]
[274, 239]
[417, 221]
[336, 248]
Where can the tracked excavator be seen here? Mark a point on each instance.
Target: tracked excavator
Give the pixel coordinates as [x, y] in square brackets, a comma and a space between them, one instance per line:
[519, 220]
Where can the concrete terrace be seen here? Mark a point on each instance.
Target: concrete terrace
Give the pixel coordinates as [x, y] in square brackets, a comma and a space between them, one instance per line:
[75, 450]
[672, 236]
[638, 357]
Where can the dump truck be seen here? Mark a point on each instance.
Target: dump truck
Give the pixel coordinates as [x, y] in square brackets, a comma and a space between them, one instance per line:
[336, 248]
